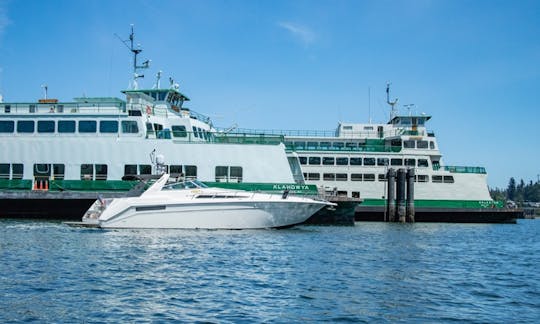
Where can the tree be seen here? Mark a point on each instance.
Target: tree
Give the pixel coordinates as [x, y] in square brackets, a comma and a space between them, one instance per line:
[511, 190]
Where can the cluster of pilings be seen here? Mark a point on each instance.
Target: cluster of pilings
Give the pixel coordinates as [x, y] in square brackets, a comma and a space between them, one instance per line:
[400, 196]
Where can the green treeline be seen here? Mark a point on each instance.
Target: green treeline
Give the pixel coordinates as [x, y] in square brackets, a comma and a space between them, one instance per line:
[518, 192]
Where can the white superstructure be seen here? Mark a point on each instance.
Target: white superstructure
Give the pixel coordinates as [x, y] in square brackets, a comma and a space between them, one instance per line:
[92, 143]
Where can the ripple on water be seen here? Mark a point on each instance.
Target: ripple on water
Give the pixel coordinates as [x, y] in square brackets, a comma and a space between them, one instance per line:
[370, 272]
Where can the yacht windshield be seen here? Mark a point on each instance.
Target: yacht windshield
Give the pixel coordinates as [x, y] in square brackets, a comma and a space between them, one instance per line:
[194, 184]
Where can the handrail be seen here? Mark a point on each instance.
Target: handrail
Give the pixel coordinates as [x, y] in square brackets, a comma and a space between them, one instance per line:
[461, 169]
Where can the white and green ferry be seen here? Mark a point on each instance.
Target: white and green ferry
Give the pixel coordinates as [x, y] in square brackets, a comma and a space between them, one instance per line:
[353, 161]
[91, 144]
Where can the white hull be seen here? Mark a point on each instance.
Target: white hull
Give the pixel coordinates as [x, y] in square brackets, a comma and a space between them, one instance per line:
[246, 215]
[189, 206]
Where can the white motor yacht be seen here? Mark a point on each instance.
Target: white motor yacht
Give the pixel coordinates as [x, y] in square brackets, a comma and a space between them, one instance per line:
[191, 204]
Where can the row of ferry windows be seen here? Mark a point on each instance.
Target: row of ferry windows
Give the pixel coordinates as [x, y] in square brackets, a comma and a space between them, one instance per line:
[68, 126]
[99, 171]
[370, 177]
[330, 160]
[419, 144]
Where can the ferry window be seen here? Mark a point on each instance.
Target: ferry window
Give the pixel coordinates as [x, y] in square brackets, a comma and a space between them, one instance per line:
[7, 126]
[356, 161]
[382, 177]
[130, 169]
[342, 161]
[303, 160]
[368, 128]
[236, 174]
[395, 143]
[130, 127]
[195, 131]
[87, 126]
[87, 171]
[341, 177]
[199, 130]
[338, 145]
[410, 162]
[66, 126]
[162, 96]
[448, 179]
[422, 163]
[60, 108]
[347, 127]
[369, 161]
[436, 179]
[382, 161]
[355, 194]
[351, 145]
[7, 109]
[4, 171]
[191, 172]
[314, 160]
[422, 178]
[32, 108]
[45, 126]
[396, 161]
[158, 127]
[369, 177]
[42, 169]
[101, 171]
[149, 128]
[17, 169]
[25, 126]
[422, 144]
[432, 145]
[222, 173]
[342, 193]
[299, 145]
[356, 177]
[408, 144]
[314, 176]
[175, 170]
[179, 131]
[312, 145]
[329, 176]
[328, 160]
[58, 171]
[145, 169]
[108, 126]
[325, 145]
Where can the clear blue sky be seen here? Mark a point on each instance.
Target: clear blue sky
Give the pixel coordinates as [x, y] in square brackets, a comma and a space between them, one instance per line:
[473, 65]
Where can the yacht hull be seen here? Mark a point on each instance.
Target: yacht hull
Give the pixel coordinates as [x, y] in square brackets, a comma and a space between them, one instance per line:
[240, 215]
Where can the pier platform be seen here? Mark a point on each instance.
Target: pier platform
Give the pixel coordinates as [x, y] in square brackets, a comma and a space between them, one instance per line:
[444, 215]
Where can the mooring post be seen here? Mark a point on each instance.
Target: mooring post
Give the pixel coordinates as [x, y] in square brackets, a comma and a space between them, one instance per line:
[410, 195]
[390, 195]
[400, 194]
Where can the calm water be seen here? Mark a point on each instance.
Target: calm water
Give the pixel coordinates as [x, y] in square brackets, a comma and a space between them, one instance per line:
[371, 272]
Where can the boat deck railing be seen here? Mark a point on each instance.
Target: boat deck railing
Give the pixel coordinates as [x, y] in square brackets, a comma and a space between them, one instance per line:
[62, 108]
[345, 134]
[461, 169]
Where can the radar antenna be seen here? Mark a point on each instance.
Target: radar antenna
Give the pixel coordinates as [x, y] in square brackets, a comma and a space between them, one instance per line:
[391, 103]
[135, 51]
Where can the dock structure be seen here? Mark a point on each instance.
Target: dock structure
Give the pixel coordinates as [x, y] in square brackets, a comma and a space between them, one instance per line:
[400, 206]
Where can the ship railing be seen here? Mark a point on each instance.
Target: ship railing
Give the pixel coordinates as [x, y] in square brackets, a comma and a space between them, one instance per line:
[62, 108]
[461, 169]
[344, 134]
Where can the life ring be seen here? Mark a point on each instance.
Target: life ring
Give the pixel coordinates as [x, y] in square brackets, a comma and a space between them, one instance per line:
[148, 110]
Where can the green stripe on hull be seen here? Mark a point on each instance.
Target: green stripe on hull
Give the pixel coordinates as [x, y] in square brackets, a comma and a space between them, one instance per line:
[428, 203]
[267, 187]
[85, 185]
[15, 184]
